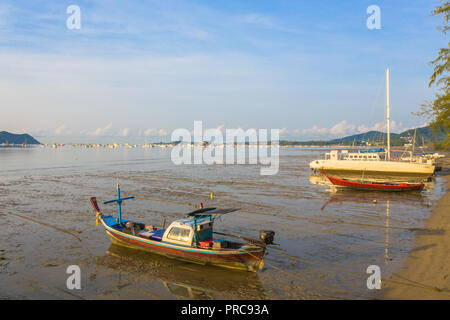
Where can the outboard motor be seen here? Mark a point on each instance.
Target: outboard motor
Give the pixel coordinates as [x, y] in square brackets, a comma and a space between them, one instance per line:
[267, 236]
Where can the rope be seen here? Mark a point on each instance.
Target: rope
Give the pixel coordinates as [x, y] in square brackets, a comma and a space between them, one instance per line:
[416, 284]
[296, 276]
[50, 226]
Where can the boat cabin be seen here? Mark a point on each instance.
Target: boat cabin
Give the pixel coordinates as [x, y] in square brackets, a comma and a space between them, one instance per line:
[345, 155]
[187, 232]
[361, 156]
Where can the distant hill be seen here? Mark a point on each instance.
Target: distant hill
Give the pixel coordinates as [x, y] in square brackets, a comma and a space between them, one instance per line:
[423, 135]
[11, 138]
[376, 136]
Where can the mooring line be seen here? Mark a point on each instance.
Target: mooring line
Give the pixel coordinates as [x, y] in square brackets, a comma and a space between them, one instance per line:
[50, 226]
[416, 284]
[412, 283]
[318, 264]
[298, 277]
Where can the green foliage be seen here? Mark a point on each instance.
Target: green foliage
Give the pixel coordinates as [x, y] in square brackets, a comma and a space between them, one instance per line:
[438, 110]
[445, 10]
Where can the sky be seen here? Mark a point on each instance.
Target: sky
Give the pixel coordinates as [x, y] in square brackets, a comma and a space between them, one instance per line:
[141, 69]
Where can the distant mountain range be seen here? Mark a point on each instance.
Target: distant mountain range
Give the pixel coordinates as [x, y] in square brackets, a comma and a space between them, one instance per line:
[423, 135]
[12, 138]
[376, 136]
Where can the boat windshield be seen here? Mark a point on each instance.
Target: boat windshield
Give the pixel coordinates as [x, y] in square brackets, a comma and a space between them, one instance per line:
[179, 234]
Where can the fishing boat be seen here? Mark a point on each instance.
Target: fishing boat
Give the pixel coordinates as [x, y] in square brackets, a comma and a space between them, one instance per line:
[372, 185]
[371, 163]
[188, 239]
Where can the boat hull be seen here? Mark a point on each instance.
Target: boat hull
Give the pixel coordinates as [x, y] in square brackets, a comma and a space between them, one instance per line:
[382, 168]
[375, 186]
[247, 259]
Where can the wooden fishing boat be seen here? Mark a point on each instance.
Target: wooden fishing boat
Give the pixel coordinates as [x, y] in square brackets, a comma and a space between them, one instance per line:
[372, 185]
[189, 239]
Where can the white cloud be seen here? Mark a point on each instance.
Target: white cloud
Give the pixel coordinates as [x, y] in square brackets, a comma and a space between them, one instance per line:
[124, 132]
[342, 128]
[102, 131]
[154, 132]
[396, 127]
[314, 131]
[162, 132]
[62, 129]
[283, 131]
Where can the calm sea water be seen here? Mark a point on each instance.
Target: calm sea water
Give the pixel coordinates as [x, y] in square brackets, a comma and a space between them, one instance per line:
[326, 239]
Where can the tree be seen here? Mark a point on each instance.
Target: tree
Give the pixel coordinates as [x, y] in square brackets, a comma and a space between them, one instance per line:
[438, 110]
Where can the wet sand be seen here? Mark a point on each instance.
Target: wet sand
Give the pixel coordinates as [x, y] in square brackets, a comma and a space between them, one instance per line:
[326, 239]
[426, 273]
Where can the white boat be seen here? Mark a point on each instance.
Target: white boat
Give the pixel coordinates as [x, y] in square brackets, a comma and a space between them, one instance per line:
[372, 163]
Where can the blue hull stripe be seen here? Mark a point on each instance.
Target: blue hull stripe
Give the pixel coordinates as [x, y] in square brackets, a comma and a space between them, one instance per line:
[177, 247]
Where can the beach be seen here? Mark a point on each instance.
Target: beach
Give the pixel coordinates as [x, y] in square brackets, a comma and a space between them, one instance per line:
[326, 239]
[426, 272]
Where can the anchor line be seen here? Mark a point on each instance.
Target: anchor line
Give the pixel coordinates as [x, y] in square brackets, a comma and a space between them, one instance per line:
[50, 226]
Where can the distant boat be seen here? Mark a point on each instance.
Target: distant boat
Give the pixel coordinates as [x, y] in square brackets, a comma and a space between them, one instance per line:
[374, 186]
[373, 164]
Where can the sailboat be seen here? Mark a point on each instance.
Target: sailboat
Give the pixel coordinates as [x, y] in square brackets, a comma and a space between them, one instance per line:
[358, 163]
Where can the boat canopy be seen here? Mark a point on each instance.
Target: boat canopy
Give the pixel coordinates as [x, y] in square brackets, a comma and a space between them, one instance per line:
[210, 211]
[373, 150]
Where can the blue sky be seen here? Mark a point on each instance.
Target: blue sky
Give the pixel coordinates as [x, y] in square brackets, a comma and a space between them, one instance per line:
[144, 68]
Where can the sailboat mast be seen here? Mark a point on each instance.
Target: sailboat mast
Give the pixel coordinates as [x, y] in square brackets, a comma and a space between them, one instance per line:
[387, 117]
[414, 143]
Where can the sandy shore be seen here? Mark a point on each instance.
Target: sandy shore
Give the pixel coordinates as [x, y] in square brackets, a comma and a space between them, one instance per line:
[426, 272]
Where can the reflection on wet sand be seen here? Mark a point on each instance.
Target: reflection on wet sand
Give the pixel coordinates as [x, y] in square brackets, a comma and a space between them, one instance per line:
[344, 196]
[386, 242]
[184, 280]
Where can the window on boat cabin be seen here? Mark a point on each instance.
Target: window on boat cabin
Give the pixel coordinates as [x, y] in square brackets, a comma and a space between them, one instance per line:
[180, 234]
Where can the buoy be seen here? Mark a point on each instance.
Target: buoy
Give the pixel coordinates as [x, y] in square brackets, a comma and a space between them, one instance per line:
[211, 195]
[201, 205]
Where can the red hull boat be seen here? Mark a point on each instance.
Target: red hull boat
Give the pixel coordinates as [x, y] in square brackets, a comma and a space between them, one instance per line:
[374, 186]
